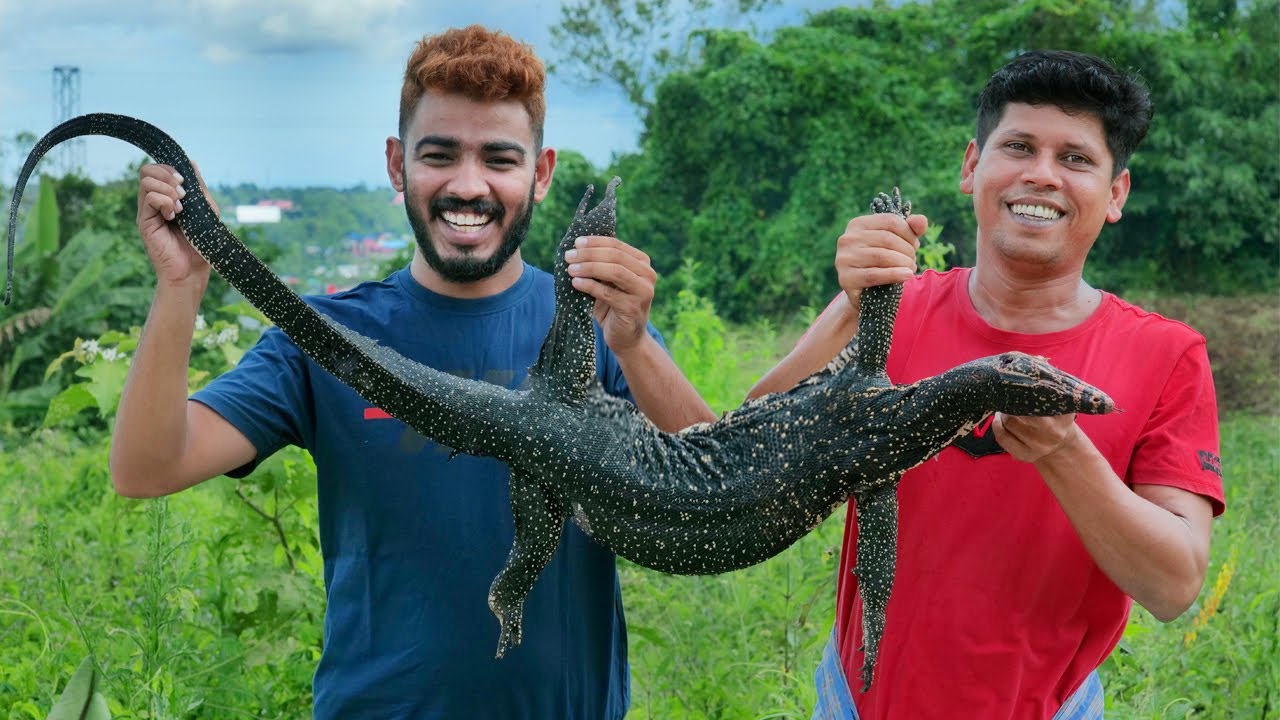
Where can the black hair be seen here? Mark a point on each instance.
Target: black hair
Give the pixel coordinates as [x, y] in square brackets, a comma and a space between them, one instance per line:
[1075, 82]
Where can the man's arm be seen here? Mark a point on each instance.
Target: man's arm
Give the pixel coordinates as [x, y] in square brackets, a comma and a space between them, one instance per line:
[163, 443]
[873, 250]
[833, 330]
[622, 281]
[660, 389]
[1151, 540]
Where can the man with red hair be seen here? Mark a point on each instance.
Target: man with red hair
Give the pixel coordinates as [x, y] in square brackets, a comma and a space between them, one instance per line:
[411, 539]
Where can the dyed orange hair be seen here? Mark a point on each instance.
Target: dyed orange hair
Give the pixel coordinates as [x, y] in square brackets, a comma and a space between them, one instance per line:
[480, 64]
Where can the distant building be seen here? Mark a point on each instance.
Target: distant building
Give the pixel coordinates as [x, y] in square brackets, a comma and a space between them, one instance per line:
[284, 205]
[379, 245]
[250, 214]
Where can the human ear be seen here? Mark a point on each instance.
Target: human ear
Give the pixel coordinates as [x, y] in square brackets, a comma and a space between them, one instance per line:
[1119, 193]
[543, 169]
[968, 166]
[395, 163]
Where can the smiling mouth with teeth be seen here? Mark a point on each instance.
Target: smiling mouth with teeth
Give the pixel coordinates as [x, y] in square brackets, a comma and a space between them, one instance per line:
[465, 222]
[1038, 212]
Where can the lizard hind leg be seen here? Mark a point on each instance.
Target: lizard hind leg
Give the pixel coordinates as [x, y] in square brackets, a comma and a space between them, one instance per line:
[877, 513]
[539, 524]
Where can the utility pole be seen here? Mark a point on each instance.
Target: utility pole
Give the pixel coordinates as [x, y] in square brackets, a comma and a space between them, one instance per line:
[66, 105]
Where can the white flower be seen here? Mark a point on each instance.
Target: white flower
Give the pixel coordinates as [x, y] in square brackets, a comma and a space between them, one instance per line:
[111, 354]
[200, 323]
[89, 348]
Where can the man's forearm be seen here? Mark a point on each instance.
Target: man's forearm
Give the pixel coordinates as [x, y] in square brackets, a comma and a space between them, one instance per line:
[830, 333]
[1155, 551]
[151, 423]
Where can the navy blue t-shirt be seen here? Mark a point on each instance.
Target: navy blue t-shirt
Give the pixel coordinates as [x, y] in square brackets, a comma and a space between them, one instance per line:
[412, 539]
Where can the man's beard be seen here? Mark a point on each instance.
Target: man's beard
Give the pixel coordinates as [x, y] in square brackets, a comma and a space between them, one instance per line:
[467, 268]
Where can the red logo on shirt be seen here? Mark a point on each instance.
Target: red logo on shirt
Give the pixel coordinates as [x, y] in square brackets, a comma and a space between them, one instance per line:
[980, 442]
[983, 426]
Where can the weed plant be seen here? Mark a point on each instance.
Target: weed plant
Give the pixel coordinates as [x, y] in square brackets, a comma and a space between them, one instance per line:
[209, 604]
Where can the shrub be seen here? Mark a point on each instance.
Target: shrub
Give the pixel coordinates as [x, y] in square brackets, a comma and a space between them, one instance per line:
[1243, 337]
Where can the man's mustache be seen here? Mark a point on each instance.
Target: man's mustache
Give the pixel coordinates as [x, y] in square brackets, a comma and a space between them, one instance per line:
[478, 207]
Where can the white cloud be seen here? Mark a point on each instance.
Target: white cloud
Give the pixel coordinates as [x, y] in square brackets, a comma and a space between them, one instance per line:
[222, 30]
[220, 54]
[232, 31]
[235, 28]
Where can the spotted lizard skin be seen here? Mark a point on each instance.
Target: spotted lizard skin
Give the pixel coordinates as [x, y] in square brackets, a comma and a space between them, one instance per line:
[709, 499]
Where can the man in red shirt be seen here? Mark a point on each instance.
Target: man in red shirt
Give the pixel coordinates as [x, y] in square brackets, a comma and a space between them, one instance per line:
[1022, 547]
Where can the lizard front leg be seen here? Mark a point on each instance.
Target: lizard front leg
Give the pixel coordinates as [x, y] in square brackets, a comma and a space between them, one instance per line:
[539, 524]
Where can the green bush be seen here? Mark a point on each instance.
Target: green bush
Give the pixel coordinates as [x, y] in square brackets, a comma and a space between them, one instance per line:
[1242, 334]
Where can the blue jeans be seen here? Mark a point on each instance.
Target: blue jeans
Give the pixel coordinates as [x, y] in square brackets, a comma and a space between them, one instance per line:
[835, 702]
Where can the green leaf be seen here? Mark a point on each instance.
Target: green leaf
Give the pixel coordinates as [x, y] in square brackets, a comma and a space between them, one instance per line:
[647, 633]
[57, 362]
[244, 309]
[81, 700]
[115, 337]
[196, 379]
[232, 353]
[106, 383]
[42, 228]
[67, 404]
[84, 279]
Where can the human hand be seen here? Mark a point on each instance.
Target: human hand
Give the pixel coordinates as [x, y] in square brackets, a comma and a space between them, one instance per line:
[1031, 439]
[621, 280]
[160, 193]
[878, 249]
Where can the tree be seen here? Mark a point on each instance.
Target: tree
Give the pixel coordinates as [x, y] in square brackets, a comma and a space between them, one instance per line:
[755, 157]
[634, 45]
[572, 176]
[73, 270]
[1204, 211]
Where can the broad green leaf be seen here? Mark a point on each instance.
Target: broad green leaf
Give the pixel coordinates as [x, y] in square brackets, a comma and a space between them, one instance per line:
[115, 337]
[69, 403]
[81, 699]
[106, 383]
[40, 237]
[84, 279]
[57, 362]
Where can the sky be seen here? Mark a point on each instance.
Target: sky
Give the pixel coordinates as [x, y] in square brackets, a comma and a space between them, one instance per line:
[271, 92]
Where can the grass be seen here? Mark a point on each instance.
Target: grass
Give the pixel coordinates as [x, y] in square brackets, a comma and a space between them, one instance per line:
[1221, 659]
[744, 644]
[195, 607]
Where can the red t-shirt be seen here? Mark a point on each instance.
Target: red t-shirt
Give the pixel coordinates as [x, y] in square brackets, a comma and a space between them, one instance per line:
[997, 609]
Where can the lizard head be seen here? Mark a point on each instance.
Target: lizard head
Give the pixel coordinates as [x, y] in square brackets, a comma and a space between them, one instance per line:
[1028, 385]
